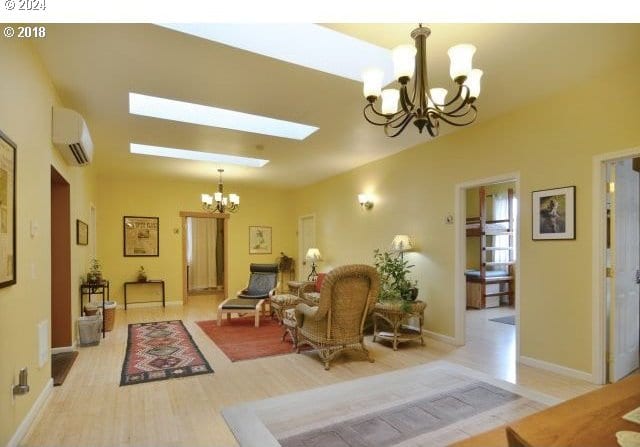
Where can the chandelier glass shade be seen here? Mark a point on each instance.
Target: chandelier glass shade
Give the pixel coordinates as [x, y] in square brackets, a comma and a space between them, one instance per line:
[419, 103]
[218, 202]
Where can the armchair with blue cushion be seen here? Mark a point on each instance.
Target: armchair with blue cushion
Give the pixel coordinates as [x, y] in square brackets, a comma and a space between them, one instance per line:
[263, 283]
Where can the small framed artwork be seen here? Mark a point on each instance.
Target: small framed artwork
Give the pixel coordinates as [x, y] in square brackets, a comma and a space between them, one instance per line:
[259, 240]
[7, 211]
[554, 214]
[82, 233]
[140, 236]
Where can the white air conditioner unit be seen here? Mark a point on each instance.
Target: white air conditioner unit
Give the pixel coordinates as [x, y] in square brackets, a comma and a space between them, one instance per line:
[71, 136]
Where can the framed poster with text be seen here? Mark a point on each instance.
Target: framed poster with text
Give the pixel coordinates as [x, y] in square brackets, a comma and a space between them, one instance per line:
[141, 236]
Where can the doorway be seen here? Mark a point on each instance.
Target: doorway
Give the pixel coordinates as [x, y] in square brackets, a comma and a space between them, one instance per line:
[622, 274]
[487, 271]
[306, 240]
[204, 255]
[60, 262]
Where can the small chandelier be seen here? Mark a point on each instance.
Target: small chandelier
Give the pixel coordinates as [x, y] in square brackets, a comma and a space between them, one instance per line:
[424, 106]
[222, 204]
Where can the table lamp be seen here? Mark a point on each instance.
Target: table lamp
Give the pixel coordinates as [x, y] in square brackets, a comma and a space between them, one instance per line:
[313, 254]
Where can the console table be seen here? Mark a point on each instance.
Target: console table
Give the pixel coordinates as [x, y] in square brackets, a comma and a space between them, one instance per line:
[141, 283]
[395, 314]
[99, 288]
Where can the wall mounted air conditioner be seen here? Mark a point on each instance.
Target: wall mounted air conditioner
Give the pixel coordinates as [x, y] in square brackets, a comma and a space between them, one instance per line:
[70, 135]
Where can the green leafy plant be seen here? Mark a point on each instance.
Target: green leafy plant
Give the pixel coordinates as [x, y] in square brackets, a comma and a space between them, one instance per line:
[95, 271]
[393, 271]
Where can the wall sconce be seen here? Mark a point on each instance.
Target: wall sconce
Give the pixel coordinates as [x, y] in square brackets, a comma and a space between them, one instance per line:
[365, 201]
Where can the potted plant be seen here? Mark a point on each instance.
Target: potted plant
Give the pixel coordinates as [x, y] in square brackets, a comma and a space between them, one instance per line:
[394, 284]
[142, 275]
[94, 276]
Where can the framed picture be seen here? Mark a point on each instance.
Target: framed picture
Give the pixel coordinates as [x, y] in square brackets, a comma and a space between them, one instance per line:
[82, 233]
[554, 214]
[141, 236]
[7, 211]
[259, 240]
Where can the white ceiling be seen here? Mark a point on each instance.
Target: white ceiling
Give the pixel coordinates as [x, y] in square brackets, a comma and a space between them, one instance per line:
[95, 66]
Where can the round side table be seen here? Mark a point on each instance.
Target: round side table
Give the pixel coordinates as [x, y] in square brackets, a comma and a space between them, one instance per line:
[396, 314]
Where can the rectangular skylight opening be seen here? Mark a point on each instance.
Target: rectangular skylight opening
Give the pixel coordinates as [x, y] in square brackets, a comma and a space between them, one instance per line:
[186, 154]
[306, 44]
[187, 112]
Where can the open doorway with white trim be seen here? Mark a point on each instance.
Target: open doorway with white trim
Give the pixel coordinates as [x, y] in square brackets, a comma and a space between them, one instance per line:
[487, 308]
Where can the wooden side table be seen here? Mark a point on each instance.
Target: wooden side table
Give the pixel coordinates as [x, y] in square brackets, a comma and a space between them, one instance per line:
[396, 315]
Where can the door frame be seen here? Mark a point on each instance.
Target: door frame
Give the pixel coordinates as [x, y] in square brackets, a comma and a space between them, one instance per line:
[598, 247]
[301, 256]
[460, 250]
[225, 218]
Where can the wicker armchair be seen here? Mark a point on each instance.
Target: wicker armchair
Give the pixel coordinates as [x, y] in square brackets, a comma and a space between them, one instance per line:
[347, 296]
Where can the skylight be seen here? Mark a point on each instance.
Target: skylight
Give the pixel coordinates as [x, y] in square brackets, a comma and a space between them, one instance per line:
[187, 112]
[185, 154]
[312, 46]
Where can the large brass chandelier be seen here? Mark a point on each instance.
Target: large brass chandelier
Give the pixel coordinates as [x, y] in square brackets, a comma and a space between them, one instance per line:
[422, 105]
[218, 202]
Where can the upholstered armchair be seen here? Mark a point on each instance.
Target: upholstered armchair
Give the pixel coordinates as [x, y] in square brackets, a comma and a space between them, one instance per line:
[347, 296]
[263, 283]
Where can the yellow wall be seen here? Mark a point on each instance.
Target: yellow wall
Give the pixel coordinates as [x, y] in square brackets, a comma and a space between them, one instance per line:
[26, 97]
[551, 143]
[473, 210]
[159, 198]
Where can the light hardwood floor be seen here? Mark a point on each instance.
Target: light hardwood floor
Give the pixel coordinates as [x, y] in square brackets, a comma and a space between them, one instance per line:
[91, 409]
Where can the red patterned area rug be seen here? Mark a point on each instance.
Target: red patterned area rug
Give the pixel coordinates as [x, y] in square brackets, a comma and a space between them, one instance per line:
[161, 350]
[239, 339]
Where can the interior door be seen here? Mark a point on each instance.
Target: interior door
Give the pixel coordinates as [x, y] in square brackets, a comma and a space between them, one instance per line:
[306, 240]
[624, 307]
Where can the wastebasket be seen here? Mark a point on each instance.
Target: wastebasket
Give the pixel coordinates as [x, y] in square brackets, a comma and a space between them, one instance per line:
[89, 330]
[109, 315]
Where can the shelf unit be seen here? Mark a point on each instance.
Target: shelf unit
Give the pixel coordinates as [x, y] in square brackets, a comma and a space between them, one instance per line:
[485, 283]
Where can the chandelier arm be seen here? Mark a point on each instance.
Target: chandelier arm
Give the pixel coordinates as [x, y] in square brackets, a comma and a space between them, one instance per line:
[398, 120]
[369, 107]
[459, 94]
[453, 123]
[406, 103]
[400, 127]
[453, 114]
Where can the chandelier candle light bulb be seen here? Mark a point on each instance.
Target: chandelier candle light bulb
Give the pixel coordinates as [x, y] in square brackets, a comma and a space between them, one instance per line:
[415, 102]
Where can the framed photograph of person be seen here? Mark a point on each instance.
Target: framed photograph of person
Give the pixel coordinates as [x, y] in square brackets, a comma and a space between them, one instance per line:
[554, 214]
[259, 240]
[7, 211]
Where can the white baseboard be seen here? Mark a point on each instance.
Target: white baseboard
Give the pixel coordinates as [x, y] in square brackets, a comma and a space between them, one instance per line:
[443, 338]
[24, 426]
[64, 349]
[558, 369]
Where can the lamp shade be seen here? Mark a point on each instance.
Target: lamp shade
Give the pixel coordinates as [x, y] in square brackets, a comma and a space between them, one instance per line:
[461, 57]
[401, 242]
[404, 61]
[313, 254]
[372, 82]
[473, 82]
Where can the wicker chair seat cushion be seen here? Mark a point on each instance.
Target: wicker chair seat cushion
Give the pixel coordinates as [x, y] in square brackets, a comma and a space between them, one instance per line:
[241, 303]
[312, 297]
[290, 316]
[285, 299]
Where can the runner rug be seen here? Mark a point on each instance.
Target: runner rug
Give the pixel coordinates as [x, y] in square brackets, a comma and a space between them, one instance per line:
[435, 404]
[239, 339]
[161, 350]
